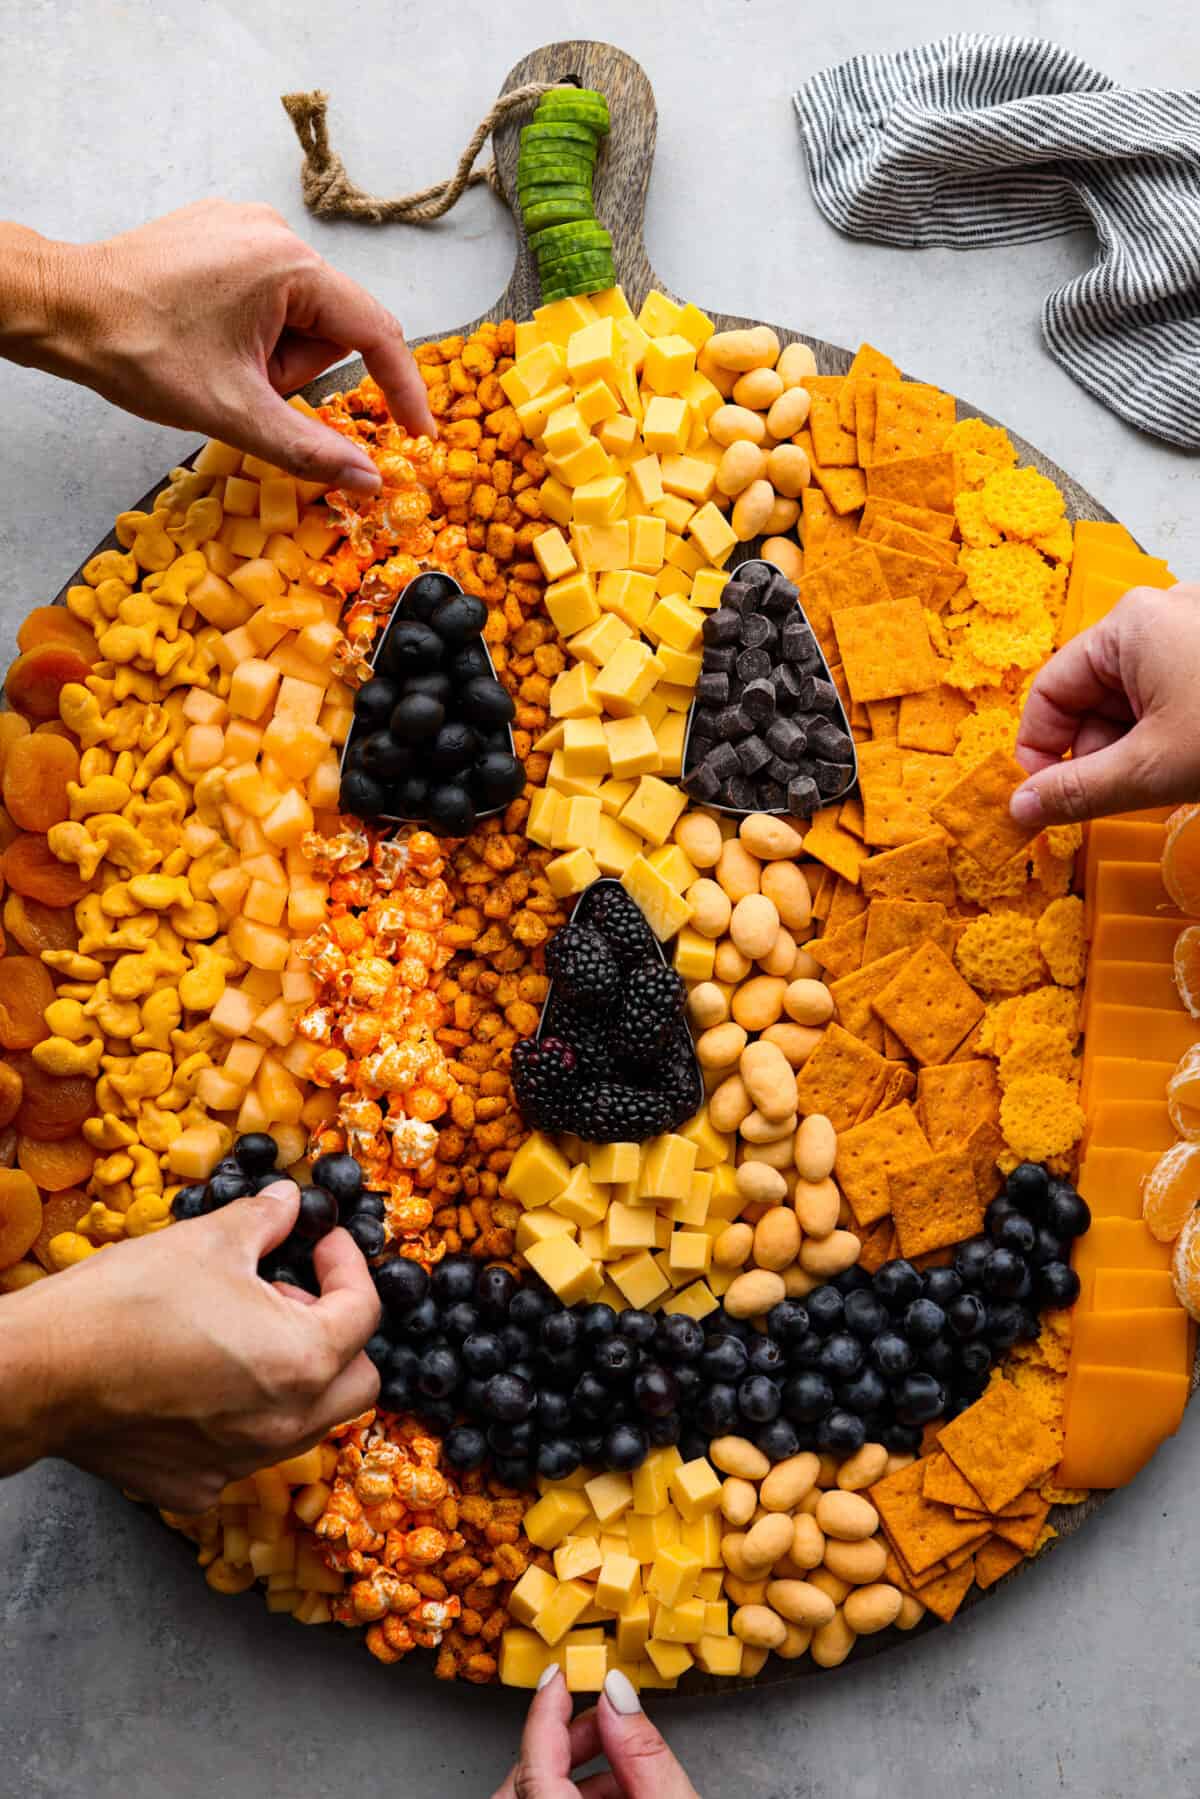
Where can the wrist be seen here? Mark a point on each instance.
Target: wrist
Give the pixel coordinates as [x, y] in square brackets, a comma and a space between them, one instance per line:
[47, 292]
[37, 1389]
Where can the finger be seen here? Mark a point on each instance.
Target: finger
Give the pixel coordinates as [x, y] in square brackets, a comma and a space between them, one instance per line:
[1081, 678]
[348, 1308]
[260, 1221]
[297, 1294]
[1111, 780]
[1097, 733]
[584, 1733]
[332, 306]
[264, 424]
[604, 1785]
[352, 1392]
[643, 1765]
[298, 358]
[544, 1761]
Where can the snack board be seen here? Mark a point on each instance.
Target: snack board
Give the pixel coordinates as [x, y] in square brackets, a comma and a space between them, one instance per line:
[905, 1014]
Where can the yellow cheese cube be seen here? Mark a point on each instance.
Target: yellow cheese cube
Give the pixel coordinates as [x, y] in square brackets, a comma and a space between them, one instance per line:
[534, 415]
[566, 784]
[659, 316]
[645, 476]
[655, 807]
[536, 1226]
[724, 1181]
[695, 1488]
[647, 544]
[680, 667]
[590, 1238]
[611, 304]
[628, 594]
[711, 1146]
[560, 1262]
[671, 1660]
[696, 1301]
[665, 910]
[559, 318]
[650, 1532]
[556, 500]
[633, 1628]
[677, 698]
[539, 826]
[581, 820]
[573, 693]
[674, 1571]
[610, 1162]
[585, 747]
[565, 431]
[693, 324]
[669, 736]
[619, 1582]
[689, 477]
[585, 1667]
[684, 556]
[677, 511]
[571, 602]
[667, 424]
[537, 1173]
[719, 1655]
[554, 1516]
[627, 1228]
[676, 623]
[670, 580]
[597, 640]
[673, 865]
[652, 1481]
[532, 373]
[558, 839]
[533, 1591]
[703, 1536]
[669, 363]
[639, 1278]
[710, 1584]
[619, 434]
[613, 795]
[624, 682]
[708, 585]
[667, 1166]
[580, 1200]
[576, 1558]
[692, 1210]
[609, 1495]
[596, 402]
[528, 337]
[689, 1252]
[571, 1599]
[524, 1658]
[702, 396]
[616, 846]
[631, 747]
[589, 462]
[694, 956]
[682, 1623]
[602, 547]
[598, 502]
[713, 533]
[592, 352]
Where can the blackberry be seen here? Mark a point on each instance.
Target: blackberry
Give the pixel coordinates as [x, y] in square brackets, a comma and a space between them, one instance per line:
[583, 963]
[610, 1112]
[653, 999]
[620, 922]
[544, 1082]
[582, 1027]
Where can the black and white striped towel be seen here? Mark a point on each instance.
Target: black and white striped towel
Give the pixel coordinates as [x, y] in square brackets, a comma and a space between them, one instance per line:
[981, 140]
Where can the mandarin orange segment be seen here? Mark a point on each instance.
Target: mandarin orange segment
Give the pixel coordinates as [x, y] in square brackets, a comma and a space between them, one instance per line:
[25, 991]
[54, 624]
[53, 1106]
[1186, 967]
[1171, 1191]
[11, 1091]
[37, 770]
[1185, 1267]
[31, 868]
[1181, 859]
[20, 1215]
[1183, 1095]
[55, 1166]
[36, 927]
[60, 1212]
[35, 680]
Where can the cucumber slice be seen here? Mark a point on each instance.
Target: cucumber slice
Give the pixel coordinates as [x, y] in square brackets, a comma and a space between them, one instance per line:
[561, 150]
[556, 212]
[573, 174]
[555, 190]
[594, 270]
[567, 288]
[579, 112]
[583, 237]
[586, 99]
[553, 130]
[570, 248]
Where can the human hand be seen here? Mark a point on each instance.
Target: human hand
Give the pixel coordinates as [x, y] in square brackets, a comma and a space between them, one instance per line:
[205, 318]
[172, 1368]
[640, 1766]
[1123, 699]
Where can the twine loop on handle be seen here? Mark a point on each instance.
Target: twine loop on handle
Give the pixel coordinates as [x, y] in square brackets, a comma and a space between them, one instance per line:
[329, 192]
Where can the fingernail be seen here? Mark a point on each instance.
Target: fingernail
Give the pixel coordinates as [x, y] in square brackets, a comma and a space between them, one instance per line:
[547, 1675]
[354, 478]
[1026, 806]
[620, 1693]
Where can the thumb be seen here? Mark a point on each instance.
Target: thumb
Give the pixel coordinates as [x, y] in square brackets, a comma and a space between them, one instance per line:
[1109, 780]
[267, 426]
[637, 1754]
[260, 1222]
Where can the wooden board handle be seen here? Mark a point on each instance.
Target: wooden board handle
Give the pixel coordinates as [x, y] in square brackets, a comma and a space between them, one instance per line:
[622, 170]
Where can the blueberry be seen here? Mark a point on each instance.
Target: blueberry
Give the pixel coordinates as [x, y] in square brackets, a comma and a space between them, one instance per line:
[897, 1284]
[901, 1439]
[403, 1362]
[511, 1439]
[560, 1331]
[557, 1457]
[439, 1373]
[453, 1280]
[517, 1346]
[367, 1205]
[825, 1308]
[942, 1285]
[258, 1153]
[788, 1321]
[841, 1357]
[528, 1308]
[317, 1215]
[368, 1233]
[717, 1412]
[777, 1440]
[1028, 1188]
[892, 1354]
[865, 1394]
[970, 1259]
[510, 1398]
[1046, 1248]
[680, 1338]
[758, 1399]
[865, 1314]
[974, 1359]
[437, 1415]
[919, 1399]
[514, 1471]
[1004, 1323]
[691, 1384]
[841, 1433]
[664, 1432]
[625, 1448]
[483, 1354]
[460, 1321]
[766, 1357]
[524, 1371]
[465, 1448]
[1016, 1232]
[1003, 1273]
[190, 1202]
[378, 1350]
[724, 1359]
[472, 1397]
[852, 1280]
[640, 1327]
[553, 1411]
[396, 1394]
[692, 1444]
[224, 1188]
[559, 1367]
[614, 1359]
[591, 1445]
[419, 1321]
[807, 1352]
[966, 1315]
[591, 1398]
[1056, 1284]
[494, 1289]
[938, 1358]
[923, 1321]
[1066, 1214]
[655, 1390]
[1000, 1209]
[596, 1321]
[400, 1283]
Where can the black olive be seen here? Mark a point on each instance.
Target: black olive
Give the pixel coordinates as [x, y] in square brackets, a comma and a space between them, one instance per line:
[498, 778]
[423, 596]
[410, 648]
[411, 798]
[486, 703]
[455, 747]
[374, 701]
[385, 758]
[416, 717]
[450, 809]
[470, 662]
[437, 685]
[459, 619]
[362, 794]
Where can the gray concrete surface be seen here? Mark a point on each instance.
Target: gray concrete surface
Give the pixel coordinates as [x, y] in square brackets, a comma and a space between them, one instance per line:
[120, 1674]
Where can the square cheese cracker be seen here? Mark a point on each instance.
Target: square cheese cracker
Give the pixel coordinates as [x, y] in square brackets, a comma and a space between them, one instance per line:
[867, 1153]
[935, 1203]
[929, 1005]
[1000, 1444]
[975, 811]
[885, 649]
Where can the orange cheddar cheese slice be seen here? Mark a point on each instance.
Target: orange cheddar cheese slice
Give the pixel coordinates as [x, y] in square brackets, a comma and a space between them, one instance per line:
[1149, 1337]
[1093, 534]
[1135, 887]
[1149, 815]
[1149, 984]
[1119, 937]
[1115, 1420]
[1127, 1031]
[1111, 1180]
[1127, 1289]
[1129, 1124]
[1118, 1243]
[1134, 839]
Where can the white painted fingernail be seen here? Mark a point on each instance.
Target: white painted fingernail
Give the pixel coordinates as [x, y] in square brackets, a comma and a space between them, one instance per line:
[547, 1675]
[620, 1693]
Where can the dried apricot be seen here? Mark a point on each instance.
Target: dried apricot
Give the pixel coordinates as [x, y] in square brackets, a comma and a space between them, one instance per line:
[35, 680]
[60, 1212]
[53, 1106]
[20, 1215]
[8, 1147]
[8, 830]
[37, 927]
[54, 1166]
[34, 784]
[54, 624]
[30, 867]
[25, 991]
[12, 728]
[11, 1091]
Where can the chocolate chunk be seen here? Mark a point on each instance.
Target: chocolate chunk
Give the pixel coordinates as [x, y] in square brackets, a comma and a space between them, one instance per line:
[789, 686]
[752, 754]
[702, 783]
[827, 740]
[722, 626]
[720, 660]
[772, 796]
[723, 760]
[736, 598]
[753, 665]
[803, 798]
[755, 575]
[832, 777]
[758, 700]
[798, 645]
[741, 794]
[733, 723]
[712, 688]
[780, 597]
[824, 696]
[779, 770]
[758, 633]
[787, 738]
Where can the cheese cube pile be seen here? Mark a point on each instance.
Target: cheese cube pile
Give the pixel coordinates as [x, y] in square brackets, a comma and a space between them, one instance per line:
[634, 559]
[639, 1552]
[631, 1224]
